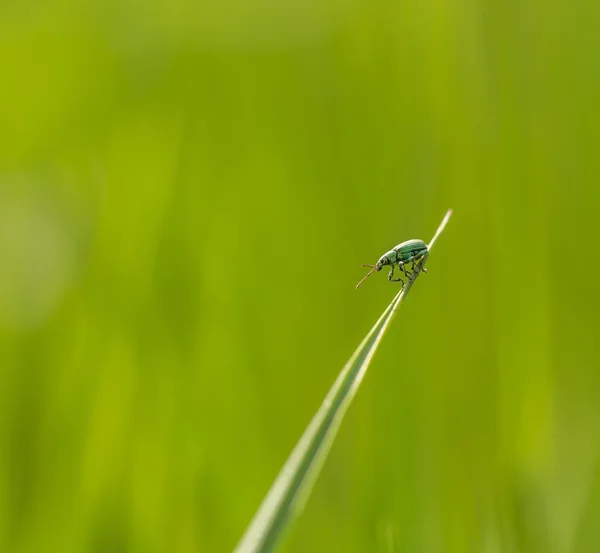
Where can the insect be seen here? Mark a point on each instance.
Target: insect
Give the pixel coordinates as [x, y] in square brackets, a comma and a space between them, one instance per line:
[411, 251]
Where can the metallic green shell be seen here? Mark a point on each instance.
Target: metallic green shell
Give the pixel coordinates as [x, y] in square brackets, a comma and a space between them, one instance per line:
[409, 250]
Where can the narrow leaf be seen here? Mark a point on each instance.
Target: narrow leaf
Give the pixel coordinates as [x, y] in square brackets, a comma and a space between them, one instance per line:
[294, 483]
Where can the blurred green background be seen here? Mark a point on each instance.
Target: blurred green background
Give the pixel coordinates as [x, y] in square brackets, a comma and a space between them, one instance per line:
[187, 191]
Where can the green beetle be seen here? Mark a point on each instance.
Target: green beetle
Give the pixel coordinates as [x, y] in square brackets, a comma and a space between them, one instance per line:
[411, 251]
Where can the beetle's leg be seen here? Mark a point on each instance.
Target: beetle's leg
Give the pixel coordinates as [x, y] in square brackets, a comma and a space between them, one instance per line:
[395, 279]
[415, 264]
[402, 267]
[419, 263]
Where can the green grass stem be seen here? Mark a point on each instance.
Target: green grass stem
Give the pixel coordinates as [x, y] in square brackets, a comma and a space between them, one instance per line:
[294, 483]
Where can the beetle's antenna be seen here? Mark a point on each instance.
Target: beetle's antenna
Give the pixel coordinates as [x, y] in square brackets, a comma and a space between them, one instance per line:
[367, 275]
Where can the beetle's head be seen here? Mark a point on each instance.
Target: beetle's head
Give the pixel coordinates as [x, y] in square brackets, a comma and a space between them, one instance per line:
[383, 260]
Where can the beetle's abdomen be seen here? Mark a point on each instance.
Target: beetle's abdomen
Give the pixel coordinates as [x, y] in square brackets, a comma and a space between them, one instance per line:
[409, 250]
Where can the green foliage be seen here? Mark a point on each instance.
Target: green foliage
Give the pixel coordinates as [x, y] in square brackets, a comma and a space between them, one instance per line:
[187, 191]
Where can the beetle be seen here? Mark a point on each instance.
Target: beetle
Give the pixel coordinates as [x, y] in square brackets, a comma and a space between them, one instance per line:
[411, 251]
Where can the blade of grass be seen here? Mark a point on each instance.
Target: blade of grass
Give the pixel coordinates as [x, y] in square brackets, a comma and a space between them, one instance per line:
[293, 484]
